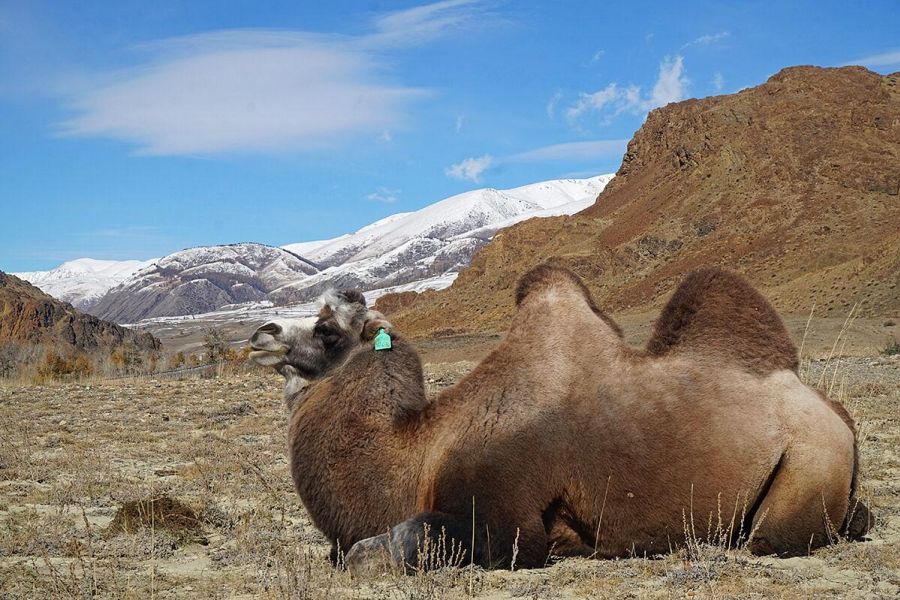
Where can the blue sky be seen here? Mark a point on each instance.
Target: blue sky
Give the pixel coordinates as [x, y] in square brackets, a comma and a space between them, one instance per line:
[133, 129]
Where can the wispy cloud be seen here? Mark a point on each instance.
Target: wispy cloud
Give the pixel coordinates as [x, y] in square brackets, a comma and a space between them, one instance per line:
[706, 40]
[575, 151]
[385, 195]
[552, 103]
[671, 86]
[421, 24]
[596, 57]
[261, 90]
[460, 121]
[472, 169]
[718, 82]
[612, 99]
[884, 59]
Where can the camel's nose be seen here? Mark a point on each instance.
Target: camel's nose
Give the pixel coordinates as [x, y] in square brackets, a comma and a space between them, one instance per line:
[263, 338]
[271, 328]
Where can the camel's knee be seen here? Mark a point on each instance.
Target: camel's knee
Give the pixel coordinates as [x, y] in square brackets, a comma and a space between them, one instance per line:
[425, 542]
[372, 556]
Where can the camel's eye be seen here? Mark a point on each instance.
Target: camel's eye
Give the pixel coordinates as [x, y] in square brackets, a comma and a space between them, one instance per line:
[328, 333]
[323, 329]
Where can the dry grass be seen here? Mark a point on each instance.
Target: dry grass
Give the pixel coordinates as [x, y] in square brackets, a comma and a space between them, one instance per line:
[165, 489]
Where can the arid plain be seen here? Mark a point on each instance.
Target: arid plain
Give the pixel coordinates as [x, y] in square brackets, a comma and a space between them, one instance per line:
[167, 488]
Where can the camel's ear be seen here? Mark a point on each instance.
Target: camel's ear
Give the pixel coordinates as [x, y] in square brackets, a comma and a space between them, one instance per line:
[372, 325]
[352, 296]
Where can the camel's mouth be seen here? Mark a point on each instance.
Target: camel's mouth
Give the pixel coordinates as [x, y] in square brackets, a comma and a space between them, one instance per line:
[268, 357]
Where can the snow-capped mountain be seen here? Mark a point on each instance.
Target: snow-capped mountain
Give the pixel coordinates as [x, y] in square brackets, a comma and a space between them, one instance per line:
[437, 239]
[455, 217]
[426, 248]
[200, 280]
[83, 281]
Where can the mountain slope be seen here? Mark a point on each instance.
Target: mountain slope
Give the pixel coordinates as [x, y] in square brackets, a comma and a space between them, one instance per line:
[437, 239]
[794, 183]
[83, 281]
[201, 280]
[29, 315]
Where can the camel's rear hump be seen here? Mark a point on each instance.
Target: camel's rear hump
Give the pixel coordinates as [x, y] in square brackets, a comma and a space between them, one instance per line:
[717, 313]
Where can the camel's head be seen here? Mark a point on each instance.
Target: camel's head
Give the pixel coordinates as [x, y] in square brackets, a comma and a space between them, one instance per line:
[310, 347]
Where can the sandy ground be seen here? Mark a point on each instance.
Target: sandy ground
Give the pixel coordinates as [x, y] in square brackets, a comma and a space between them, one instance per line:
[76, 460]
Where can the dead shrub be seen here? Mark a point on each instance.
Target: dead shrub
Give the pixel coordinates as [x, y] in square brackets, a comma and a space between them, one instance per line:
[160, 512]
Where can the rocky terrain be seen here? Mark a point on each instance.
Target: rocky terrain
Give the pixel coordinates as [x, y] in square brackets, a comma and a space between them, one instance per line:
[794, 183]
[180, 489]
[31, 317]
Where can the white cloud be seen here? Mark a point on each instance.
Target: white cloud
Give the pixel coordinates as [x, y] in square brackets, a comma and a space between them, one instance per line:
[718, 82]
[260, 90]
[470, 168]
[460, 121]
[597, 56]
[383, 194]
[706, 40]
[571, 151]
[671, 86]
[885, 59]
[614, 98]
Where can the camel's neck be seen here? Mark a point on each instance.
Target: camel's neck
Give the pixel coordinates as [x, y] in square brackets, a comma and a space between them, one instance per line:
[355, 444]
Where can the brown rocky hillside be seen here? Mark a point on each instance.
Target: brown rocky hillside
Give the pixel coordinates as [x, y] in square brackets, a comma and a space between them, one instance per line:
[28, 315]
[794, 183]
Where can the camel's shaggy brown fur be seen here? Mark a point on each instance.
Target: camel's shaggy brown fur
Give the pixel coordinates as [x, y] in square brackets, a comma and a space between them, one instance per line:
[565, 440]
[717, 313]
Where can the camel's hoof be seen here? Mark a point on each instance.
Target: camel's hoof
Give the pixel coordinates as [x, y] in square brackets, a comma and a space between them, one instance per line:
[371, 556]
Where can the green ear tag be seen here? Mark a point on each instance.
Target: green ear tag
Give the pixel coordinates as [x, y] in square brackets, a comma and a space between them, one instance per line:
[382, 340]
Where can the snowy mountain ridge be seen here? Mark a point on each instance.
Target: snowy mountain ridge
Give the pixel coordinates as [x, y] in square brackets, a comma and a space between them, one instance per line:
[83, 281]
[426, 247]
[433, 241]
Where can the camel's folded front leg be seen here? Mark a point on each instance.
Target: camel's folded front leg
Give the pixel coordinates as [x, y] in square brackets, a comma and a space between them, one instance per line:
[427, 541]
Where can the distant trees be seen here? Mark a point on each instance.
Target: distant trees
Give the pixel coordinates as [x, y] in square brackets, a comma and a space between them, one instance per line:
[176, 361]
[215, 344]
[56, 366]
[127, 359]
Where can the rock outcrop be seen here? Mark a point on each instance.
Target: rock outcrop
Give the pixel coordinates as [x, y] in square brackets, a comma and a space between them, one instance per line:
[29, 316]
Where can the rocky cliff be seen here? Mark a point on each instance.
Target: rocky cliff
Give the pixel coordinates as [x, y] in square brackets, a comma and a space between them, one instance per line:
[28, 315]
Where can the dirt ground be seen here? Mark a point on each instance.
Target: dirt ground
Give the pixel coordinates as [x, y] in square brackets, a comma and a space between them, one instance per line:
[180, 489]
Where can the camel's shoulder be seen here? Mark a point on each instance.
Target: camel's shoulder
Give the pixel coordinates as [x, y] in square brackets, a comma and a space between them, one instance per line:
[717, 313]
